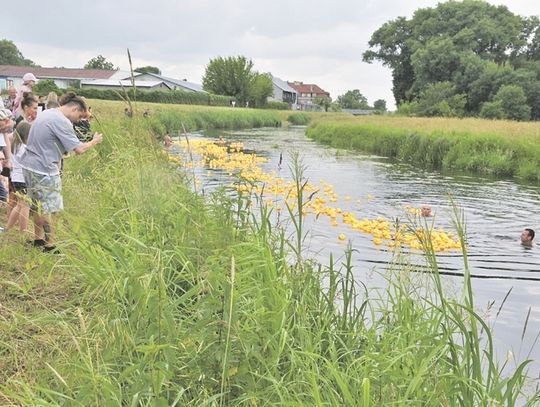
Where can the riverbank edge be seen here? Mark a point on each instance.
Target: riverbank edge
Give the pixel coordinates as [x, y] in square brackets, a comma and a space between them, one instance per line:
[443, 149]
[142, 304]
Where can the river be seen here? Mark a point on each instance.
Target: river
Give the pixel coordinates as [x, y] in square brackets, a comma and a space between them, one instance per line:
[496, 211]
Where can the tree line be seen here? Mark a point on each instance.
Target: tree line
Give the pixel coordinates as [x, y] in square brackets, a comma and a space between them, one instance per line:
[228, 76]
[466, 58]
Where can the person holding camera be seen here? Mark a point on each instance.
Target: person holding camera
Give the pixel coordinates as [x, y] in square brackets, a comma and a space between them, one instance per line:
[51, 136]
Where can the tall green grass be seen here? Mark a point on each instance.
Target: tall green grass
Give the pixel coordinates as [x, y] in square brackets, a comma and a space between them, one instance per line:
[182, 301]
[446, 149]
[299, 119]
[177, 121]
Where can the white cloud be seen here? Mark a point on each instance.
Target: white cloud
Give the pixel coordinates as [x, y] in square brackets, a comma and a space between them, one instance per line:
[312, 41]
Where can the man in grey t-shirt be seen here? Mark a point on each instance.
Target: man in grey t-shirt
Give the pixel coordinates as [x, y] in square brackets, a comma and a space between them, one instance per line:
[51, 136]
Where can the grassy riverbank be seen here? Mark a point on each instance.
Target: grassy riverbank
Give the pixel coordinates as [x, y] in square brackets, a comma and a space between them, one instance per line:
[162, 298]
[501, 148]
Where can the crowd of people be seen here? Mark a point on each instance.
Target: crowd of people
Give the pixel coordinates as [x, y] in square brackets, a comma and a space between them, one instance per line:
[35, 137]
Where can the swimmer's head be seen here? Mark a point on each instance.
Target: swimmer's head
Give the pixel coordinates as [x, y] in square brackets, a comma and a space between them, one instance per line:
[425, 211]
[527, 237]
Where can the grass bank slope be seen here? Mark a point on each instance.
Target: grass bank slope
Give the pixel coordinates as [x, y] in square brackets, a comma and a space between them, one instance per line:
[163, 298]
[500, 148]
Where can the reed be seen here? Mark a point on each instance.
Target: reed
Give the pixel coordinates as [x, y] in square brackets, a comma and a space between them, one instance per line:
[156, 312]
[441, 148]
[299, 119]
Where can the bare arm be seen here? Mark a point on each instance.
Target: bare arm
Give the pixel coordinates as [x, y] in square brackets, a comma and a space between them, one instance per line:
[7, 151]
[82, 148]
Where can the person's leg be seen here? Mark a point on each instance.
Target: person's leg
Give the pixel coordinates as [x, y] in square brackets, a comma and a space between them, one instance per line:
[13, 215]
[3, 203]
[48, 229]
[39, 232]
[24, 213]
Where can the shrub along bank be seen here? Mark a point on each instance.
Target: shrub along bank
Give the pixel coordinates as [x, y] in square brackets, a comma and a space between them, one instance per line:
[163, 298]
[157, 96]
[442, 148]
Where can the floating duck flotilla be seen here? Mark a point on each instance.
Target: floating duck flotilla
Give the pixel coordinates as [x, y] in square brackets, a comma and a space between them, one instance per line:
[279, 193]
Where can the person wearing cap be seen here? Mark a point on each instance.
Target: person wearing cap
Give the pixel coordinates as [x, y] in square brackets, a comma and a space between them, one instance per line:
[51, 136]
[6, 127]
[29, 80]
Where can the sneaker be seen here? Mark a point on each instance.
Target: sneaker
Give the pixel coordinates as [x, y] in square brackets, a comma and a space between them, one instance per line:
[50, 249]
[36, 243]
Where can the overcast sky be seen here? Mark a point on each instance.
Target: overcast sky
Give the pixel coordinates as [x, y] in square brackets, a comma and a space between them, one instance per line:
[306, 40]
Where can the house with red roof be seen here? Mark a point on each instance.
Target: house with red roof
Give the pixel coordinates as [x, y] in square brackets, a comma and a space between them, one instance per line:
[11, 75]
[306, 95]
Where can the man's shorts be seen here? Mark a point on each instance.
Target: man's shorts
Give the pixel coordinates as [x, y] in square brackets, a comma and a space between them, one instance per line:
[44, 191]
[19, 187]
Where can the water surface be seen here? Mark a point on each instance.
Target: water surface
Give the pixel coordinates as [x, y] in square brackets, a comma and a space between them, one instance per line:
[496, 211]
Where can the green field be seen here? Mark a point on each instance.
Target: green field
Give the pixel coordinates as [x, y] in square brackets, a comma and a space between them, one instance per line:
[163, 298]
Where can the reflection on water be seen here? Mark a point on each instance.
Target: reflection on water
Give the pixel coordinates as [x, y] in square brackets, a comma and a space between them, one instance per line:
[496, 211]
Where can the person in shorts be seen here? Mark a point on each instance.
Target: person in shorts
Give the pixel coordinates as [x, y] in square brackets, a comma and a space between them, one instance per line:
[51, 136]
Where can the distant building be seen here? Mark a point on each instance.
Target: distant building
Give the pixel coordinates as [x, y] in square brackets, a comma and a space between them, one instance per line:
[11, 75]
[174, 84]
[124, 84]
[283, 92]
[307, 93]
[358, 112]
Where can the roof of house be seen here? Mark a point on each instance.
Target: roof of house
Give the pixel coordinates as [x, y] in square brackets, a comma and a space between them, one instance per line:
[178, 82]
[58, 73]
[125, 83]
[307, 88]
[282, 85]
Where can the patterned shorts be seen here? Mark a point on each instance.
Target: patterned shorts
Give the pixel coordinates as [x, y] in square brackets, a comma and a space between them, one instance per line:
[44, 191]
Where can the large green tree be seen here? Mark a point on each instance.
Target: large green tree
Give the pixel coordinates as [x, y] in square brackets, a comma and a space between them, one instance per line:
[10, 54]
[261, 88]
[234, 76]
[380, 105]
[148, 69]
[472, 45]
[352, 99]
[99, 62]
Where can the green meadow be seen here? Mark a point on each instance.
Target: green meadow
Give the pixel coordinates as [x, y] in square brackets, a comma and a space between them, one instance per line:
[164, 298]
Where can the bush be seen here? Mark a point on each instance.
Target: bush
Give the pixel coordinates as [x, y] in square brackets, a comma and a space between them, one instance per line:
[45, 86]
[299, 119]
[492, 110]
[158, 96]
[277, 106]
[407, 109]
[513, 102]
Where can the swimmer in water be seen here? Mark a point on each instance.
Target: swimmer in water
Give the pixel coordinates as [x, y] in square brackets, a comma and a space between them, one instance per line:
[527, 237]
[425, 211]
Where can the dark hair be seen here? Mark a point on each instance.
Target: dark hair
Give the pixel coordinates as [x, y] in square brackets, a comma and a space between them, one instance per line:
[71, 99]
[20, 136]
[28, 99]
[530, 232]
